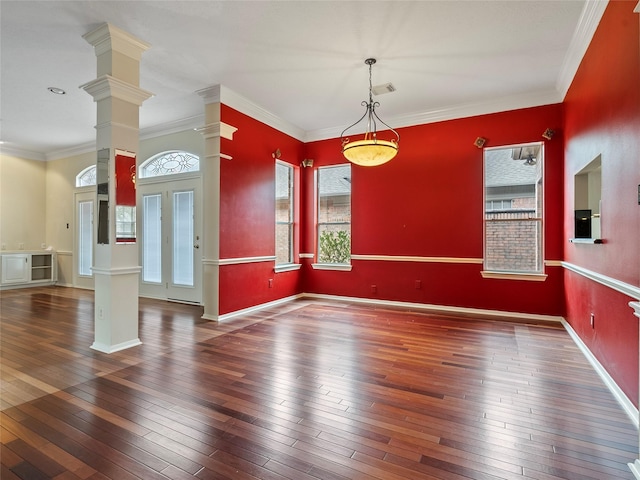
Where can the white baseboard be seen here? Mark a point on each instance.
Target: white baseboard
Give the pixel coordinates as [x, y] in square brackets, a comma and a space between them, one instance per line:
[253, 309]
[613, 387]
[476, 312]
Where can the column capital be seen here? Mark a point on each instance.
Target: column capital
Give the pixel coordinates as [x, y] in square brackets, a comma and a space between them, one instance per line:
[107, 86]
[108, 37]
[217, 129]
[211, 94]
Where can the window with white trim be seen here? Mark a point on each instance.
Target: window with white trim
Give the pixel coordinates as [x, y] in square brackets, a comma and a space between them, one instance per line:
[513, 214]
[284, 212]
[334, 214]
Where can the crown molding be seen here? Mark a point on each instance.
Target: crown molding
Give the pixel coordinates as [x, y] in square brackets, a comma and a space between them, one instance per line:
[228, 97]
[255, 111]
[258, 113]
[22, 153]
[222, 94]
[514, 102]
[183, 125]
[81, 149]
[176, 126]
[109, 37]
[587, 25]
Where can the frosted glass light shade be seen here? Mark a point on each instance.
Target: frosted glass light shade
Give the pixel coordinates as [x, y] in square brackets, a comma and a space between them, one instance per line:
[369, 153]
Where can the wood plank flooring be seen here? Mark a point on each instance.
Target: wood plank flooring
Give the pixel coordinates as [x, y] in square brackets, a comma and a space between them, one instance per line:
[309, 390]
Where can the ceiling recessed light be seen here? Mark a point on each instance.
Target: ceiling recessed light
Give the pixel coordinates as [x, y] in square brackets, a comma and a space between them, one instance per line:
[56, 90]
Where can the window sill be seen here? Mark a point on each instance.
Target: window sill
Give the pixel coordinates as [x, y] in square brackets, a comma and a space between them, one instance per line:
[587, 240]
[531, 277]
[287, 267]
[343, 267]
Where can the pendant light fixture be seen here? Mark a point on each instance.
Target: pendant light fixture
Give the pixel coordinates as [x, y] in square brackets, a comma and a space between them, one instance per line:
[370, 151]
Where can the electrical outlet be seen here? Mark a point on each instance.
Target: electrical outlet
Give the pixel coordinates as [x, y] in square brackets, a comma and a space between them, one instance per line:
[592, 320]
[374, 289]
[21, 246]
[418, 284]
[271, 283]
[43, 245]
[4, 246]
[100, 312]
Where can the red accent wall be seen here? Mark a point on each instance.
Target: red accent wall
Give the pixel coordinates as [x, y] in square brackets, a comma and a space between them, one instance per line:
[247, 212]
[614, 338]
[428, 202]
[602, 117]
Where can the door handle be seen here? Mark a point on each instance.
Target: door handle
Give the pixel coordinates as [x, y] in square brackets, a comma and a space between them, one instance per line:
[196, 246]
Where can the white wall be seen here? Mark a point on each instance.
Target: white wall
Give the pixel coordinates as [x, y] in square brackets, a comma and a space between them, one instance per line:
[189, 141]
[22, 203]
[37, 199]
[60, 208]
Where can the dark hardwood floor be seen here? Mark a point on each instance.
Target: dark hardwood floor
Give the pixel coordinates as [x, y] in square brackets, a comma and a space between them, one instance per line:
[309, 390]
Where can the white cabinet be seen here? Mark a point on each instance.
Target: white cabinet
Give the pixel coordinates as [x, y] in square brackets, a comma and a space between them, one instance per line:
[15, 268]
[28, 269]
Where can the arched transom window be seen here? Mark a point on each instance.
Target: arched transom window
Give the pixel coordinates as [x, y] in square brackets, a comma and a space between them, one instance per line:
[169, 163]
[87, 177]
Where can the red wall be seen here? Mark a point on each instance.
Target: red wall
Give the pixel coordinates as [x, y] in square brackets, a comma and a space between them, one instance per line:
[247, 212]
[428, 202]
[602, 117]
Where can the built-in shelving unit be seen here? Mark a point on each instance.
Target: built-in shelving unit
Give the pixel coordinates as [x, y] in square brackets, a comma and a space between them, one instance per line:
[41, 267]
[26, 269]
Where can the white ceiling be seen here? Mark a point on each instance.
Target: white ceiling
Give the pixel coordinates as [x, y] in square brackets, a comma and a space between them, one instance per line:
[300, 63]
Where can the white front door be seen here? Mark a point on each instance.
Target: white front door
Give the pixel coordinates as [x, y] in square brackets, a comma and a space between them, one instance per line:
[170, 236]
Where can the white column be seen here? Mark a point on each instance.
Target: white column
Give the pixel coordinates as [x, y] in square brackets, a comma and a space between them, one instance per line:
[210, 168]
[635, 466]
[118, 97]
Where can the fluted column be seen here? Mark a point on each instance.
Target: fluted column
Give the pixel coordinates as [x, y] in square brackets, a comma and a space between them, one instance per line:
[116, 268]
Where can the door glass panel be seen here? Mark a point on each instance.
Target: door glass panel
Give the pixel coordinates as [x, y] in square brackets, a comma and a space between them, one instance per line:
[183, 238]
[85, 237]
[152, 238]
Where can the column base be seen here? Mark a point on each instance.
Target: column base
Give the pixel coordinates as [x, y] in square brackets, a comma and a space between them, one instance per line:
[116, 309]
[104, 348]
[635, 468]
